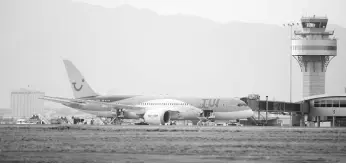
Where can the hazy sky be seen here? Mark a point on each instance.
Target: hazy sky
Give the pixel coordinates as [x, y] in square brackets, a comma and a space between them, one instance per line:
[124, 50]
[260, 11]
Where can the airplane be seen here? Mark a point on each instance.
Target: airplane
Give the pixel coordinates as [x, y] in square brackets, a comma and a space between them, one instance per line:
[153, 110]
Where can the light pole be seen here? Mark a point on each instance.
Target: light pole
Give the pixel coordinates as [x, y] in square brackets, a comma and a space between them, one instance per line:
[291, 30]
[266, 110]
[291, 25]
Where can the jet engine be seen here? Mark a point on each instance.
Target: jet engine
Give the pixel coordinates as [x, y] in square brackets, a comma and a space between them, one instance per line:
[157, 117]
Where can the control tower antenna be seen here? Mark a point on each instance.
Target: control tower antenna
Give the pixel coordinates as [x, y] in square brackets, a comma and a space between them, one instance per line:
[314, 49]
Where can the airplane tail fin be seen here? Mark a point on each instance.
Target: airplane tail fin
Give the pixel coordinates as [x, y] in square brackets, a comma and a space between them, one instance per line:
[79, 85]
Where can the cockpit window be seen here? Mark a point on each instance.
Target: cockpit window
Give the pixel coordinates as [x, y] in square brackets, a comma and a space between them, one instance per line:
[242, 104]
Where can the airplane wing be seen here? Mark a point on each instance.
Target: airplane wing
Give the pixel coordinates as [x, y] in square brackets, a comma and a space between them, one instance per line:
[68, 101]
[84, 102]
[173, 113]
[62, 100]
[116, 106]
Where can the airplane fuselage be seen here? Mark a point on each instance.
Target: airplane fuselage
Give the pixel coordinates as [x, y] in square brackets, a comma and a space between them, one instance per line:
[190, 108]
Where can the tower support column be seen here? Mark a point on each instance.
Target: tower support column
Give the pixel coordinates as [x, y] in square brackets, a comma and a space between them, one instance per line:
[333, 121]
[302, 120]
[318, 121]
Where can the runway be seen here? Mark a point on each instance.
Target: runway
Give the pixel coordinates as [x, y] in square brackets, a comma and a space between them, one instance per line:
[85, 143]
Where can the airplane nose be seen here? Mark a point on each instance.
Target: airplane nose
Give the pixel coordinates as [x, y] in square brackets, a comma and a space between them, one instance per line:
[200, 112]
[250, 112]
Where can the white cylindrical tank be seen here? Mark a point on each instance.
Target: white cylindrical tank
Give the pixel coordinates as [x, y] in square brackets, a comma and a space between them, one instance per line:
[25, 103]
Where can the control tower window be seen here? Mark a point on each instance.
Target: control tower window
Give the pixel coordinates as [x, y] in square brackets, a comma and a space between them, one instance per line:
[312, 25]
[323, 24]
[311, 47]
[242, 104]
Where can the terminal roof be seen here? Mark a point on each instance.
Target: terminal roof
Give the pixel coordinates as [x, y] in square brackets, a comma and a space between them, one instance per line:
[23, 90]
[323, 96]
[313, 19]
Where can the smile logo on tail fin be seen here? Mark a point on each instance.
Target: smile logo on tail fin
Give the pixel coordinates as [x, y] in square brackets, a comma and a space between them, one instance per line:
[78, 89]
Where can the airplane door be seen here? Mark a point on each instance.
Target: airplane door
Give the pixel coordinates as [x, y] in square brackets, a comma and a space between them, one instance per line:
[207, 113]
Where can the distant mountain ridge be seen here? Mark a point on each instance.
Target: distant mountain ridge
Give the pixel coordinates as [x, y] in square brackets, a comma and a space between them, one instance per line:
[139, 51]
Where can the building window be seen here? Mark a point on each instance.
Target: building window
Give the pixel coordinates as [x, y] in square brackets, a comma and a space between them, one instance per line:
[342, 103]
[329, 103]
[322, 103]
[317, 103]
[314, 47]
[335, 103]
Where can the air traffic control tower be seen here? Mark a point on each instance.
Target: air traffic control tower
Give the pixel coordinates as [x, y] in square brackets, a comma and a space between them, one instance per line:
[313, 48]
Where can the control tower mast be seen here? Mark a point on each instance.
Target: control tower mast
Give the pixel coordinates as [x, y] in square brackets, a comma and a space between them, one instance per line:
[313, 48]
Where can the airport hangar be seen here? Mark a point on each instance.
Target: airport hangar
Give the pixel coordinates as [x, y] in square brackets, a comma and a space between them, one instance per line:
[313, 48]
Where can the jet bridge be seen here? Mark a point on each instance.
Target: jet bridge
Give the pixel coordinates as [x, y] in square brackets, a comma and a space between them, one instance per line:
[273, 106]
[298, 110]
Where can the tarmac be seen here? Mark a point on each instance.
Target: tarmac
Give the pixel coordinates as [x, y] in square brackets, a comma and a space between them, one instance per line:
[143, 143]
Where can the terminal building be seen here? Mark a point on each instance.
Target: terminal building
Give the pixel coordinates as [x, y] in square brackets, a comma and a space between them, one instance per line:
[313, 47]
[25, 103]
